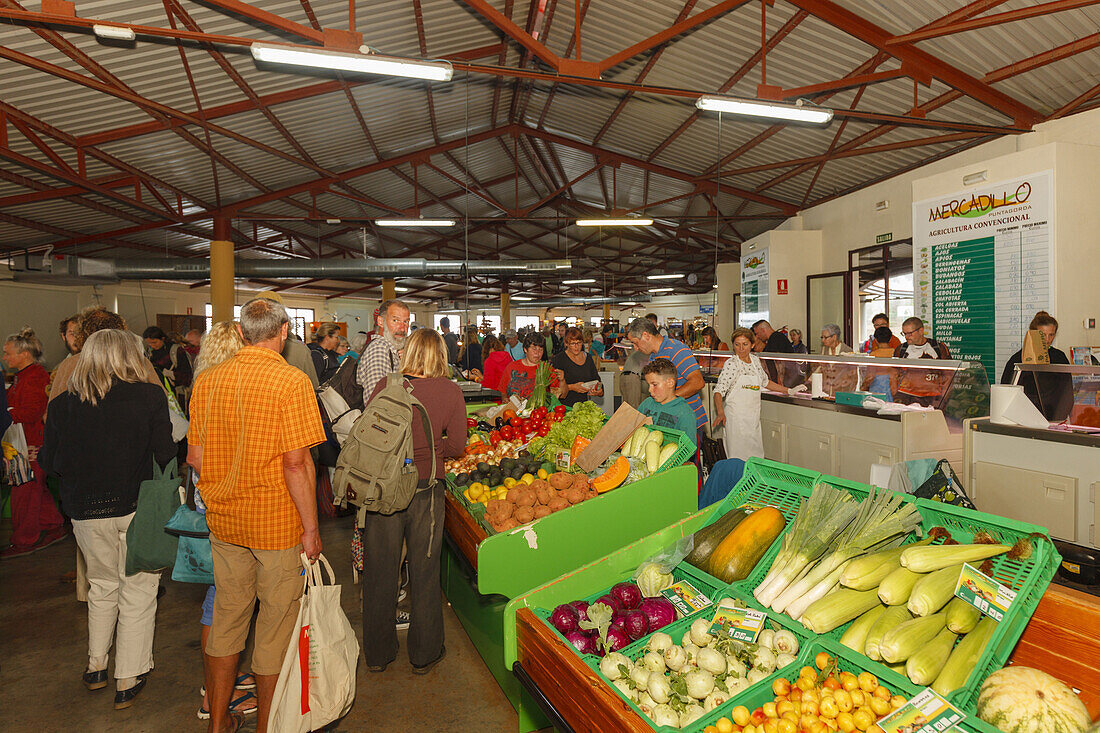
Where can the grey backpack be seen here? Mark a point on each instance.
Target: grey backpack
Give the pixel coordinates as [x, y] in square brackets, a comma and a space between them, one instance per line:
[375, 471]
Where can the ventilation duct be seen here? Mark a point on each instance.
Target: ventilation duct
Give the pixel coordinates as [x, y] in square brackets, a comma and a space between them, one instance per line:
[574, 302]
[71, 270]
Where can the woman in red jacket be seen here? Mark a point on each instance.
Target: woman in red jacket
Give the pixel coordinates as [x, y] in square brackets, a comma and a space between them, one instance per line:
[496, 361]
[36, 523]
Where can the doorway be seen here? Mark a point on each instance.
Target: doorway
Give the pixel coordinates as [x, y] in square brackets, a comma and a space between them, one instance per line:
[883, 279]
[827, 302]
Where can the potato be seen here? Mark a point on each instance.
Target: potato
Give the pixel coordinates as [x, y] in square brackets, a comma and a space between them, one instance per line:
[561, 480]
[580, 481]
[507, 524]
[496, 507]
[574, 496]
[540, 482]
[523, 514]
[523, 496]
[558, 503]
[544, 493]
[541, 510]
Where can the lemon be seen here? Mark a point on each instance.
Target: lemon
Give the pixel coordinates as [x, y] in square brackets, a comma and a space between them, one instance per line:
[542, 474]
[509, 482]
[527, 478]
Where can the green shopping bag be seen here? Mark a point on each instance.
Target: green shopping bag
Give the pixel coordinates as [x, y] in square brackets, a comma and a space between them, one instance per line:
[148, 547]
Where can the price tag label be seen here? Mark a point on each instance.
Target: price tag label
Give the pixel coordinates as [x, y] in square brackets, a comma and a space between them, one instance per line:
[686, 598]
[984, 593]
[925, 713]
[743, 624]
[563, 460]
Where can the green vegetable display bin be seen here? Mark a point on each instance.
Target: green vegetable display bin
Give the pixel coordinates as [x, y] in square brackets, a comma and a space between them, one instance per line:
[482, 574]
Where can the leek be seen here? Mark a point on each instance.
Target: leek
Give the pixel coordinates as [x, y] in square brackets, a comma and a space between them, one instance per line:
[936, 557]
[962, 617]
[933, 591]
[905, 639]
[820, 520]
[829, 584]
[837, 608]
[887, 621]
[865, 573]
[855, 637]
[924, 667]
[895, 589]
[962, 661]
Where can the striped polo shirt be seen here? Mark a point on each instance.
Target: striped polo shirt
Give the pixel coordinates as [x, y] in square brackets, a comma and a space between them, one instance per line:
[681, 357]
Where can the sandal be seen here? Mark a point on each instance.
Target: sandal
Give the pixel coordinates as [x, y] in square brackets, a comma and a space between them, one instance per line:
[234, 706]
[244, 681]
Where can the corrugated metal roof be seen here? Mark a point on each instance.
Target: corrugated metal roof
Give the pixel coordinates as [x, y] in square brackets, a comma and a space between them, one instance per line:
[398, 115]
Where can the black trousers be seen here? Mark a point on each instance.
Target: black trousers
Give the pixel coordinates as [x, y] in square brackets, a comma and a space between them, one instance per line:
[382, 538]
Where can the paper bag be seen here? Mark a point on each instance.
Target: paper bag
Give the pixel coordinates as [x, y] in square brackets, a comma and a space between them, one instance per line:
[610, 438]
[1035, 350]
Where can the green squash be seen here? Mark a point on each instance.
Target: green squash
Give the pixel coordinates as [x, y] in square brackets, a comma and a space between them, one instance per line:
[708, 538]
[1025, 700]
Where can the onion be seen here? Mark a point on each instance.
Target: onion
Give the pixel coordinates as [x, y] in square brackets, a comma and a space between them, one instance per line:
[564, 618]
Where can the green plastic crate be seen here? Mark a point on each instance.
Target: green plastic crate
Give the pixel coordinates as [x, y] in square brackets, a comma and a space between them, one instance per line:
[683, 454]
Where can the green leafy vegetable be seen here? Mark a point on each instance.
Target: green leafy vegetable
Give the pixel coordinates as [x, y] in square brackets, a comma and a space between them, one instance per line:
[584, 419]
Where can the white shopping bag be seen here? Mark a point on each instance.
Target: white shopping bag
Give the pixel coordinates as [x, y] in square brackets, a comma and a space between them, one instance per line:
[317, 682]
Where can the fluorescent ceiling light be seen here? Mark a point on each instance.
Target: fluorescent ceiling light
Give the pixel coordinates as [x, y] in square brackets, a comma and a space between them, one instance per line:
[662, 277]
[520, 297]
[579, 282]
[363, 63]
[629, 302]
[787, 111]
[399, 289]
[114, 32]
[614, 222]
[415, 222]
[661, 290]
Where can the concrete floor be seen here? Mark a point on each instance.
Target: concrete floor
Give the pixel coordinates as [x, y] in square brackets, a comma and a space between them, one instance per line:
[43, 651]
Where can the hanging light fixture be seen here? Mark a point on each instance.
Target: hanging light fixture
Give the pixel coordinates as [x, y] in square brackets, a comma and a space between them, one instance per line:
[614, 222]
[365, 62]
[799, 111]
[415, 222]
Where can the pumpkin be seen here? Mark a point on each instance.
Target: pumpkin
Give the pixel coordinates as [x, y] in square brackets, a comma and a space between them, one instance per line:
[738, 553]
[1021, 700]
[708, 538]
[613, 476]
[579, 444]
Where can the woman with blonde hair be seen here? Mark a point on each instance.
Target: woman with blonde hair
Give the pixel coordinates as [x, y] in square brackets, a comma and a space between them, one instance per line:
[36, 523]
[323, 350]
[102, 438]
[425, 373]
[222, 341]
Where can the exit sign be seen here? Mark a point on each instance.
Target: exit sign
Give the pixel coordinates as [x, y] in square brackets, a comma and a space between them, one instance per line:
[884, 238]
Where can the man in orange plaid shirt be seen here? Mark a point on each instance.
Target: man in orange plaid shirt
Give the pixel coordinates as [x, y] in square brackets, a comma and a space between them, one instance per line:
[253, 420]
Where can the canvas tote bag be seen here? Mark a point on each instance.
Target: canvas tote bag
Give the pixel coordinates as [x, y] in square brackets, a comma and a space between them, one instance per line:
[317, 682]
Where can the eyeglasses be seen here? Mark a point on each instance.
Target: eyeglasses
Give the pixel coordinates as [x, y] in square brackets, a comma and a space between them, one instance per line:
[910, 333]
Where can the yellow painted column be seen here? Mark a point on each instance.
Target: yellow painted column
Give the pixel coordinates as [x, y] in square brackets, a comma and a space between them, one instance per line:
[505, 312]
[389, 288]
[606, 312]
[221, 272]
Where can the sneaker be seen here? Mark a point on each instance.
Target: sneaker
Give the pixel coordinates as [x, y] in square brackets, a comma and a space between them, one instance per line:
[402, 595]
[425, 668]
[402, 619]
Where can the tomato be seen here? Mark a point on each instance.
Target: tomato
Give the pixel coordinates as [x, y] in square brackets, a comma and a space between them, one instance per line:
[507, 432]
[494, 437]
[543, 430]
[560, 410]
[516, 422]
[470, 423]
[539, 413]
[508, 413]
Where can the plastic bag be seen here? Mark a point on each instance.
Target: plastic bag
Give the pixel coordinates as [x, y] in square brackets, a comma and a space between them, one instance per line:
[663, 562]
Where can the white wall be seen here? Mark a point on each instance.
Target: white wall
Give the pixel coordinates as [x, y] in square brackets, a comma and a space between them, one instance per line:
[793, 253]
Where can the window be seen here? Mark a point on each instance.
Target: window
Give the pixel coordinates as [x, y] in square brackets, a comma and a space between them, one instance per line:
[527, 321]
[596, 321]
[491, 322]
[452, 317]
[299, 317]
[883, 278]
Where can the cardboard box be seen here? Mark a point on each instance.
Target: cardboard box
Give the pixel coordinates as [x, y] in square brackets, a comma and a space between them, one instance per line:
[610, 438]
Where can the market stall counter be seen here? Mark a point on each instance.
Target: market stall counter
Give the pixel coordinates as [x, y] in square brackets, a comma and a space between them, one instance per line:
[485, 567]
[858, 410]
[584, 692]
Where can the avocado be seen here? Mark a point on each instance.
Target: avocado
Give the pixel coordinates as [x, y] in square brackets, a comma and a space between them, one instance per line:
[462, 479]
[484, 467]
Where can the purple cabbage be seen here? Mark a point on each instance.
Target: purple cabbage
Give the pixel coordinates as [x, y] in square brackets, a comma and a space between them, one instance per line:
[581, 607]
[616, 639]
[582, 642]
[635, 624]
[659, 611]
[565, 618]
[627, 594]
[611, 601]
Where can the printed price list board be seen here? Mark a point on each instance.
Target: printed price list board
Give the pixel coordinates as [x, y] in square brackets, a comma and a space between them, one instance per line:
[964, 307]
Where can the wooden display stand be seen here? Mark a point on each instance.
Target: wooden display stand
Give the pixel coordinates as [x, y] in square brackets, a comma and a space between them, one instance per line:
[1062, 639]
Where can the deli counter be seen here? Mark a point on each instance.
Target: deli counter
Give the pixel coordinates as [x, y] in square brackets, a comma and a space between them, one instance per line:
[859, 410]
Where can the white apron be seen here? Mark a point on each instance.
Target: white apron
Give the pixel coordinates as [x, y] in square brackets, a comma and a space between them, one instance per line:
[741, 407]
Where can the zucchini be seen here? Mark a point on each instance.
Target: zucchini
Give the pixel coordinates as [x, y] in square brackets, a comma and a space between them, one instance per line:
[706, 540]
[739, 552]
[961, 662]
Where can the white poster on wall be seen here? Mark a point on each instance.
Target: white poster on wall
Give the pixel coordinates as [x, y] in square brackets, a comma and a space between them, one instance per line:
[983, 263]
[755, 286]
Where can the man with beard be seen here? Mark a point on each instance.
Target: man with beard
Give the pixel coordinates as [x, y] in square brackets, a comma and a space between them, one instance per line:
[383, 355]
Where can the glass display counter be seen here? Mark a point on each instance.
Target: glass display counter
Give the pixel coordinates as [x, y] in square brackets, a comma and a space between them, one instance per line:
[860, 410]
[1048, 475]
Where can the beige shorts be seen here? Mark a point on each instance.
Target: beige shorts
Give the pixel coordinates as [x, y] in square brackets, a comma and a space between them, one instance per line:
[241, 576]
